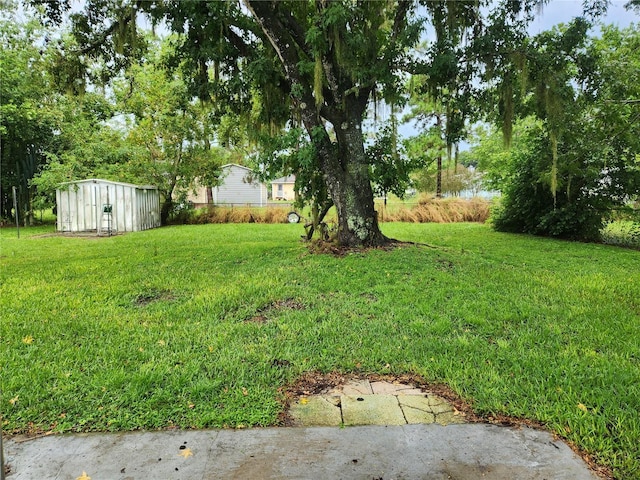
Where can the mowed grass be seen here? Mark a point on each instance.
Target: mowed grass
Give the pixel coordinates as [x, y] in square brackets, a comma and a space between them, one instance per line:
[200, 326]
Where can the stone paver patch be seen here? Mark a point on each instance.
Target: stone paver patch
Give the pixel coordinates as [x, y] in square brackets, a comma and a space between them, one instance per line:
[428, 409]
[317, 411]
[371, 410]
[358, 387]
[386, 388]
[361, 402]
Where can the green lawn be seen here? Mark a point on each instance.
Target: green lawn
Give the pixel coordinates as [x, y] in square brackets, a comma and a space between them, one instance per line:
[198, 326]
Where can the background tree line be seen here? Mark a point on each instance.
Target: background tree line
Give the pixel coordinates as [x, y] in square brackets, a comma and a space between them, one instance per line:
[287, 87]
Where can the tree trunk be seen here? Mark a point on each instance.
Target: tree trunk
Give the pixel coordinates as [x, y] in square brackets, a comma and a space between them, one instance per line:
[351, 192]
[343, 163]
[165, 210]
[317, 218]
[439, 165]
[346, 171]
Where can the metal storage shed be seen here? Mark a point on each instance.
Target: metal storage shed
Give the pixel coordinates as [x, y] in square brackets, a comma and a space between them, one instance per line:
[105, 207]
[239, 187]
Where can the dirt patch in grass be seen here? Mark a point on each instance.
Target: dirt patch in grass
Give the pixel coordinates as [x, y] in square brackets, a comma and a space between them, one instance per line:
[333, 248]
[257, 319]
[152, 296]
[287, 304]
[369, 297]
[444, 265]
[262, 315]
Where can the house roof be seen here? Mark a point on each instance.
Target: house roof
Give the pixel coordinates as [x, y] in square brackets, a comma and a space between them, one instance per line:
[229, 165]
[287, 179]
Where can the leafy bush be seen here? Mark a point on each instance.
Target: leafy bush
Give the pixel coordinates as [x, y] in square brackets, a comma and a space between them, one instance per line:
[585, 193]
[623, 233]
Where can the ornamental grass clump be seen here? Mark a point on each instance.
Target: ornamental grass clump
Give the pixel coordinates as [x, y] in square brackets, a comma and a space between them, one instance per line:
[448, 210]
[242, 215]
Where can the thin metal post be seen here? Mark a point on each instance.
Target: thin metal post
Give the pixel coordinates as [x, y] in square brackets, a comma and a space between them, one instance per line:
[109, 214]
[15, 207]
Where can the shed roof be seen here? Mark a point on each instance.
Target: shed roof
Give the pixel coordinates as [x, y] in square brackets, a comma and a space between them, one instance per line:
[111, 182]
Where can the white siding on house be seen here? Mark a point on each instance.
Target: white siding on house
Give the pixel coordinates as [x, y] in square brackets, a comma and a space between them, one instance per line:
[80, 207]
[238, 187]
[200, 195]
[283, 188]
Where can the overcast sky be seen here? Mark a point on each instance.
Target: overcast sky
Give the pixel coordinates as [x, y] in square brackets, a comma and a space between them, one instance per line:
[561, 11]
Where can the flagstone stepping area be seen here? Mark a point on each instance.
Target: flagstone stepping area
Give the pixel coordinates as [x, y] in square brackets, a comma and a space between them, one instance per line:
[361, 402]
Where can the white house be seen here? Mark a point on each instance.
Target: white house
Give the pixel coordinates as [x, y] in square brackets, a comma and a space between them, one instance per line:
[200, 196]
[239, 187]
[105, 207]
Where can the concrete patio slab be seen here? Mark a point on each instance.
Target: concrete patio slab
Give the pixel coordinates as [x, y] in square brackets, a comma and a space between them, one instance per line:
[463, 452]
[385, 448]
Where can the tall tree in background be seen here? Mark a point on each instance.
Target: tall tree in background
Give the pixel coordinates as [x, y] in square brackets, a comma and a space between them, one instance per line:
[441, 95]
[581, 158]
[168, 132]
[436, 138]
[84, 146]
[27, 112]
[490, 155]
[390, 165]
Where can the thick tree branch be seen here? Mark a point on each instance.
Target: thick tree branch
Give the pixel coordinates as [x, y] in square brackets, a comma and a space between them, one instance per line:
[400, 19]
[102, 38]
[238, 42]
[624, 102]
[268, 18]
[123, 21]
[296, 32]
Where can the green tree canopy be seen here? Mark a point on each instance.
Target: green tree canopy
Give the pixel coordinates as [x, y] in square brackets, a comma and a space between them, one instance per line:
[168, 131]
[148, 130]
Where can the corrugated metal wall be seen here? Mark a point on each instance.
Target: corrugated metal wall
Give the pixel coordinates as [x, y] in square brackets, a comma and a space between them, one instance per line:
[81, 207]
[238, 189]
[148, 208]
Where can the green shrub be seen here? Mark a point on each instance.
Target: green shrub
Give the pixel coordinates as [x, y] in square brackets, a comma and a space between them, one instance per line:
[623, 233]
[581, 203]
